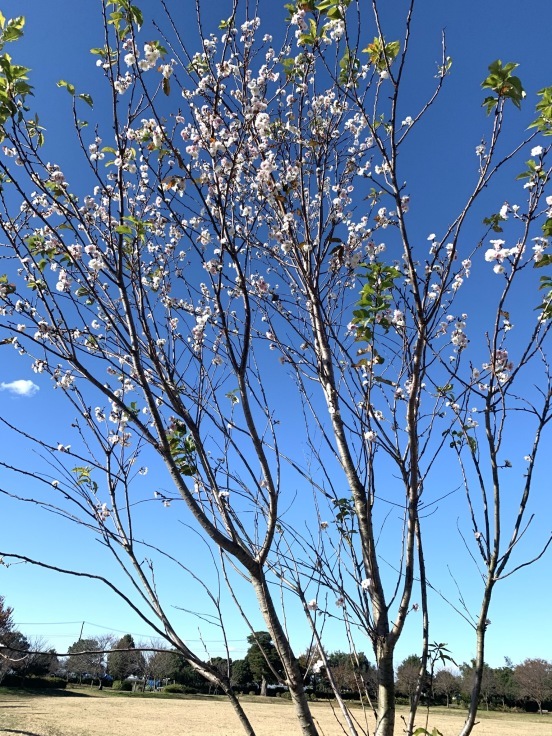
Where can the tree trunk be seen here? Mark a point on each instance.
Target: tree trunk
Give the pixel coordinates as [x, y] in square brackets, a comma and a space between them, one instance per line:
[294, 678]
[479, 659]
[263, 686]
[386, 693]
[244, 720]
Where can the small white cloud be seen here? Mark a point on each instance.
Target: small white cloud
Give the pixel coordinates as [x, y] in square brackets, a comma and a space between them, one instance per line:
[20, 387]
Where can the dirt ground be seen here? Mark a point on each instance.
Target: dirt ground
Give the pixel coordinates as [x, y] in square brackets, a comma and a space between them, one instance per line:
[94, 715]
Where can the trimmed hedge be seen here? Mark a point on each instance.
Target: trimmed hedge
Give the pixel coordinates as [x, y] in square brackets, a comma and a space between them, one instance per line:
[180, 689]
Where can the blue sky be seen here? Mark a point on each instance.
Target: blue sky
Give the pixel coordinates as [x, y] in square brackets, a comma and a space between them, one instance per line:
[57, 38]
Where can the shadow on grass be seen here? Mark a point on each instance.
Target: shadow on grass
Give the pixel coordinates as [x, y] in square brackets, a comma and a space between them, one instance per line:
[22, 733]
[20, 691]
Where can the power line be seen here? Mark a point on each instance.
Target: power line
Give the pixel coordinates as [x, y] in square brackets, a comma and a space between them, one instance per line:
[117, 631]
[49, 623]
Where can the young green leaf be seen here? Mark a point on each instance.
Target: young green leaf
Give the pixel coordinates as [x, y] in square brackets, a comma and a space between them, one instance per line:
[86, 97]
[504, 84]
[68, 86]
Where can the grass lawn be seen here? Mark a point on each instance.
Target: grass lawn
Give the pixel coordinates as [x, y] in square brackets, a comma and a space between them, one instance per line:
[87, 712]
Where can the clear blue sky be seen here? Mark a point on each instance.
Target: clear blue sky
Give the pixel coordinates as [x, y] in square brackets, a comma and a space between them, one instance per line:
[57, 39]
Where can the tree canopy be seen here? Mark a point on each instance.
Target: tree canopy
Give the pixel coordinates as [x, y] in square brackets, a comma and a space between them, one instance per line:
[86, 659]
[122, 664]
[263, 661]
[239, 285]
[534, 680]
[13, 644]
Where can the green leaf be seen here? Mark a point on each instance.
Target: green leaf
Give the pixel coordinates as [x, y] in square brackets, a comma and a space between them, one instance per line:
[533, 171]
[547, 228]
[546, 260]
[331, 8]
[227, 23]
[381, 379]
[290, 68]
[68, 86]
[494, 222]
[5, 286]
[137, 16]
[34, 284]
[349, 67]
[86, 97]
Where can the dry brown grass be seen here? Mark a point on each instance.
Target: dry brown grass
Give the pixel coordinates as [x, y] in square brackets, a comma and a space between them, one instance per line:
[97, 714]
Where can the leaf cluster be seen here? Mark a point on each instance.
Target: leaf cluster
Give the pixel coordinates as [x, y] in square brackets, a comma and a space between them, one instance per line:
[13, 78]
[375, 299]
[10, 30]
[124, 16]
[182, 448]
[543, 122]
[14, 88]
[545, 284]
[382, 54]
[84, 479]
[504, 84]
[332, 9]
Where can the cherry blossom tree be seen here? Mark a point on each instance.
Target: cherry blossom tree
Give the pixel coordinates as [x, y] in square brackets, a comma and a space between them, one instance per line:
[236, 286]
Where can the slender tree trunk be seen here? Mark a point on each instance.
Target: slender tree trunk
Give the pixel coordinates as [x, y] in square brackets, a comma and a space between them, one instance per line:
[244, 720]
[479, 661]
[294, 678]
[385, 725]
[417, 694]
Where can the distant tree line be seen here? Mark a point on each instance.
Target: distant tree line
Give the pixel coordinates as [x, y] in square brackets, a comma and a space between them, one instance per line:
[110, 661]
[527, 685]
[14, 659]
